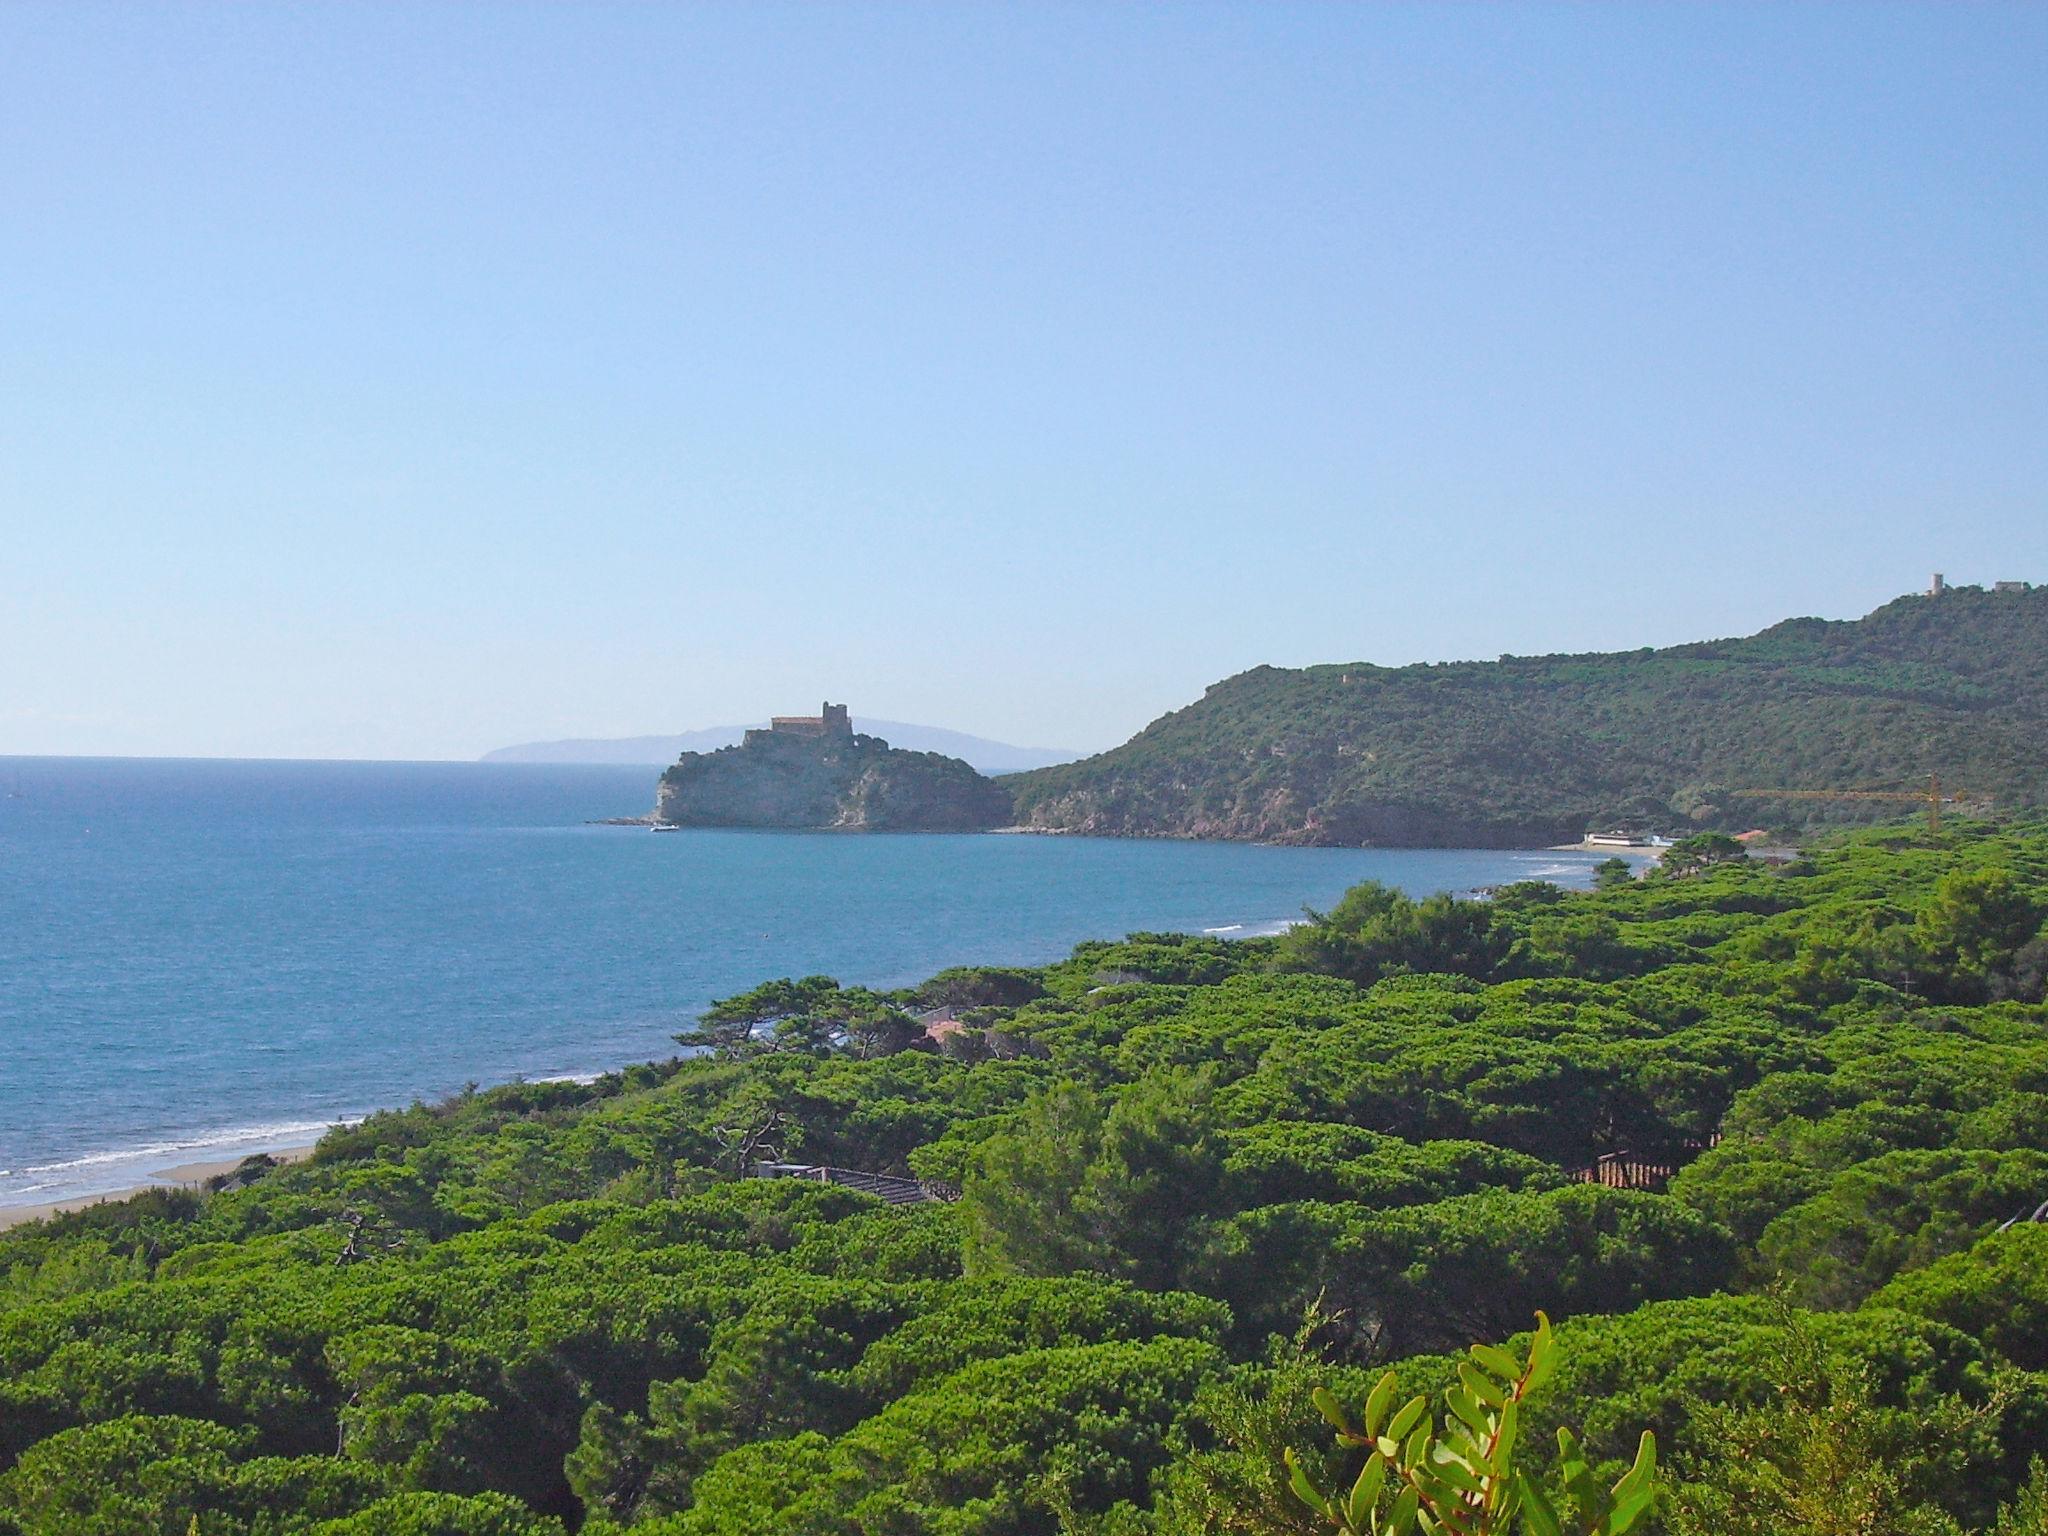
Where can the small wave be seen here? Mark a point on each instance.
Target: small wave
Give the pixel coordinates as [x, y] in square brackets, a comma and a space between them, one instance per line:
[1271, 928]
[197, 1142]
[116, 1169]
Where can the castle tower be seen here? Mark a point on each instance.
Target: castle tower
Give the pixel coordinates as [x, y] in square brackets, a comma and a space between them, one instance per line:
[836, 720]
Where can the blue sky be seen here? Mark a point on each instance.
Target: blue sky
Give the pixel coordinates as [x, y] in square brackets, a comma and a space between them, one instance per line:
[405, 381]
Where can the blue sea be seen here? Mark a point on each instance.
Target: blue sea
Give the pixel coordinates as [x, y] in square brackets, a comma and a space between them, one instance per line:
[201, 959]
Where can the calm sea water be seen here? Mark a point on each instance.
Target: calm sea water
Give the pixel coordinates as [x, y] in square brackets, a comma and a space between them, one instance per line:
[202, 959]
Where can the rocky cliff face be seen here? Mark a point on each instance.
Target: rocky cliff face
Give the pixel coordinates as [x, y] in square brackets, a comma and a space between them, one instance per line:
[843, 783]
[1286, 817]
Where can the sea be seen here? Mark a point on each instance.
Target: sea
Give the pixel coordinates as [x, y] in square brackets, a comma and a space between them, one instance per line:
[205, 959]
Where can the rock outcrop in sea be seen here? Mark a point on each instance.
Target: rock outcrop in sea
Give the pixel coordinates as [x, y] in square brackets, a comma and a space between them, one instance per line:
[817, 773]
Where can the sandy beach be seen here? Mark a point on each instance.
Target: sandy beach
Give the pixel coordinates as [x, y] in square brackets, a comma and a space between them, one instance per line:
[178, 1176]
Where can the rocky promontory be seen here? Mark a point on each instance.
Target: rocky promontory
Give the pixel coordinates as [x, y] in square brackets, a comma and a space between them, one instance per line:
[816, 773]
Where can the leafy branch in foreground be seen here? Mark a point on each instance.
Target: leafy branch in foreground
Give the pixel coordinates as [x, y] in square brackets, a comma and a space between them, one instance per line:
[1459, 1479]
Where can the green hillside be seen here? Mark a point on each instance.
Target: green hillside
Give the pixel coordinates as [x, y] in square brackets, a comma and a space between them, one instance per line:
[563, 1307]
[1538, 749]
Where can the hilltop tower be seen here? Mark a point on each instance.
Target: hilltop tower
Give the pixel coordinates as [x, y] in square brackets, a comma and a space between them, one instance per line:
[831, 720]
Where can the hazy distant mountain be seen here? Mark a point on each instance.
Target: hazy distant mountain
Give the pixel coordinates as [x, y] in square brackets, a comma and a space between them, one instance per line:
[659, 751]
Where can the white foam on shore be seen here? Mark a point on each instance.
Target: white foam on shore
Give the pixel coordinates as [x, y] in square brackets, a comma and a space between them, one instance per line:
[1258, 930]
[119, 1168]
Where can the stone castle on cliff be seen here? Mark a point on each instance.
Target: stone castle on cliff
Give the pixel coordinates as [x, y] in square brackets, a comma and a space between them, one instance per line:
[831, 720]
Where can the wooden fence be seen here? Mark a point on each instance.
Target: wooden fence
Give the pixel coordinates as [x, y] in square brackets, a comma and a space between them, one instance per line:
[893, 1188]
[1627, 1170]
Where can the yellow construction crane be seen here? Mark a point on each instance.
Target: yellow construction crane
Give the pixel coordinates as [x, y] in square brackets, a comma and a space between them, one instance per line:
[1931, 796]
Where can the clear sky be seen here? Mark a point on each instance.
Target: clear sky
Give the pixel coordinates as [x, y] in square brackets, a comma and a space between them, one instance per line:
[404, 381]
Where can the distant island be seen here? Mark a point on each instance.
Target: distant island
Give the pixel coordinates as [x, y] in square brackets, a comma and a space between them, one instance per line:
[979, 753]
[816, 772]
[1537, 750]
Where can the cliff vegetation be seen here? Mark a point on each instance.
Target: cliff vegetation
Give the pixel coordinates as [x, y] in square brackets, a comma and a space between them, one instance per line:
[1537, 750]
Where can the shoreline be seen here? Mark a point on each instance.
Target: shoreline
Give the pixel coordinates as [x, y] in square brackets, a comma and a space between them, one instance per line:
[177, 1176]
[21, 1209]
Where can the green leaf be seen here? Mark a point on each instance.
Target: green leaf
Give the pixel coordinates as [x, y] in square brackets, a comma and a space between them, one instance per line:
[1306, 1490]
[1627, 1512]
[1444, 1465]
[1365, 1493]
[1568, 1451]
[1504, 1440]
[1537, 1512]
[1328, 1406]
[1405, 1506]
[1405, 1420]
[1466, 1406]
[1416, 1446]
[1498, 1361]
[1636, 1489]
[1644, 1471]
[1377, 1403]
[1482, 1386]
[1578, 1477]
[1542, 1355]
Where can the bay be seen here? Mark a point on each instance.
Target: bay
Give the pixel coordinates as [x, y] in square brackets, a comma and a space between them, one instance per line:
[201, 959]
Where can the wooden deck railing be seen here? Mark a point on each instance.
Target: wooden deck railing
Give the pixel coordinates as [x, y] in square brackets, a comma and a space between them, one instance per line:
[1626, 1170]
[894, 1188]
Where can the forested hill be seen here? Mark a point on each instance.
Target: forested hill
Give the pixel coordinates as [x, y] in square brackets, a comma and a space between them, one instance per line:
[1531, 750]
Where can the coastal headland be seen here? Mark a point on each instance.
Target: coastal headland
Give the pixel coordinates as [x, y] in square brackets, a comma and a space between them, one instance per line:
[1809, 723]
